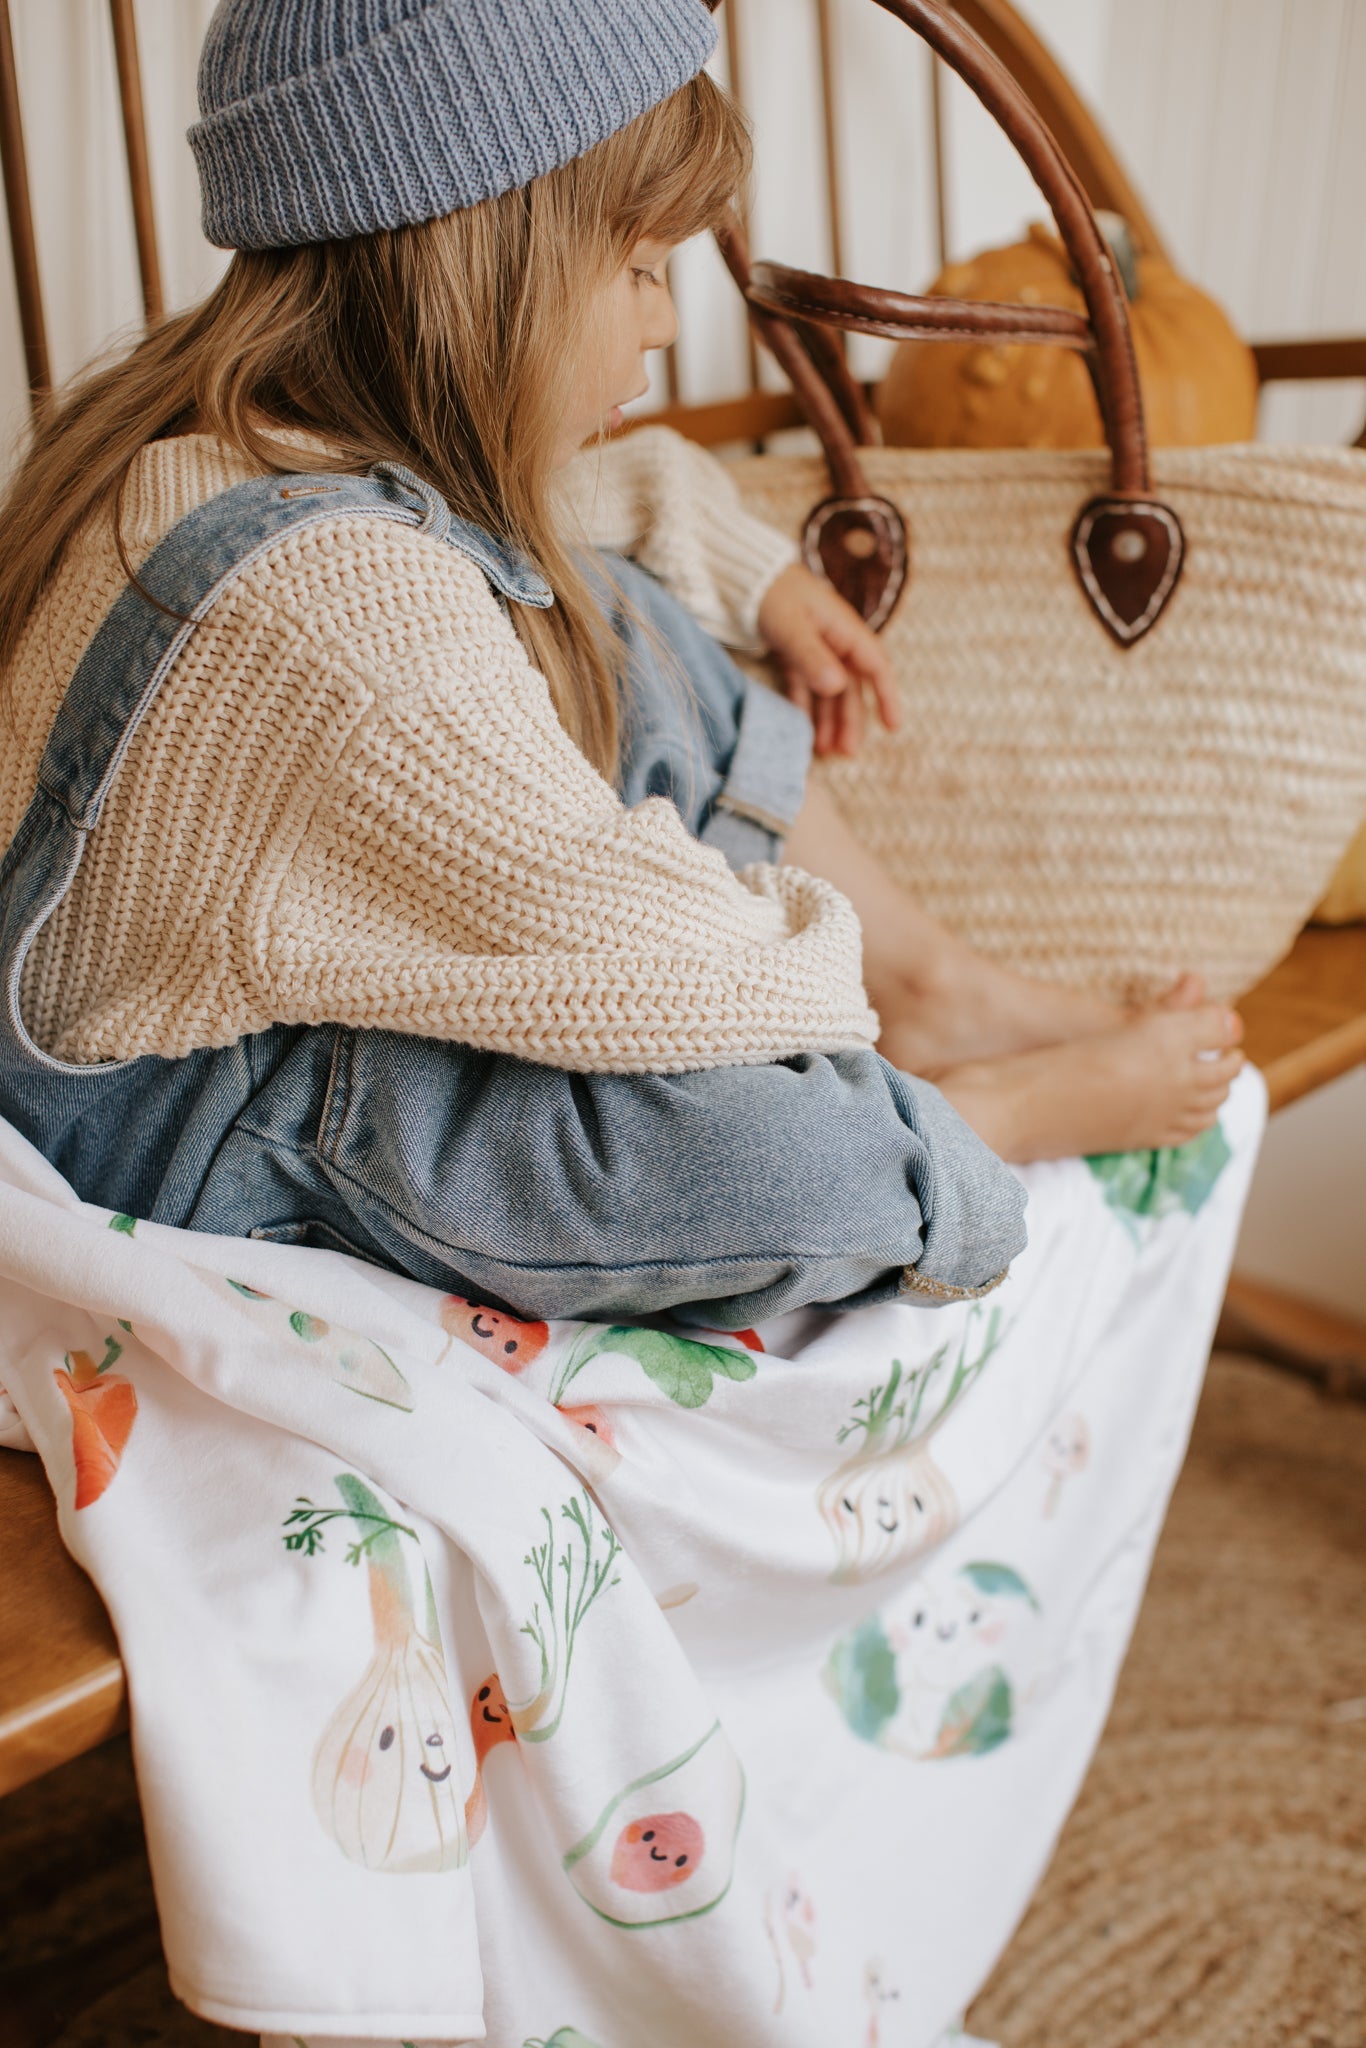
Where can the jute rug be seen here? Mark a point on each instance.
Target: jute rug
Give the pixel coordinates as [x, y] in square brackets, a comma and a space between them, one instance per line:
[1208, 1892]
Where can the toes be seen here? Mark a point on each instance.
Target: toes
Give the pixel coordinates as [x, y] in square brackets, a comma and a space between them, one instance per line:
[1186, 994]
[1214, 1029]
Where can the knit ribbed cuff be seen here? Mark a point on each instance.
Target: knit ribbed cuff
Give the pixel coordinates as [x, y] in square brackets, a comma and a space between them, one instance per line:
[454, 105]
[745, 557]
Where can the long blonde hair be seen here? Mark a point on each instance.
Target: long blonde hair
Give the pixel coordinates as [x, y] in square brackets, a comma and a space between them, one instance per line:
[442, 346]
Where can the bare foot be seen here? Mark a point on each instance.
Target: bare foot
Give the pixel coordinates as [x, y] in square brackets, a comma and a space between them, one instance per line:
[1156, 1080]
[971, 1008]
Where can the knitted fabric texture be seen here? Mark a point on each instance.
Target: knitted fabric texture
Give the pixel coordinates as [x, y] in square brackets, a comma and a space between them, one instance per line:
[353, 803]
[325, 119]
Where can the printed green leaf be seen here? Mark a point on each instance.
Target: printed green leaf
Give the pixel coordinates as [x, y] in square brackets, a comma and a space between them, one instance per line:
[681, 1369]
[310, 1328]
[861, 1673]
[978, 1716]
[251, 1293]
[1159, 1183]
[1192, 1170]
[999, 1579]
[126, 1224]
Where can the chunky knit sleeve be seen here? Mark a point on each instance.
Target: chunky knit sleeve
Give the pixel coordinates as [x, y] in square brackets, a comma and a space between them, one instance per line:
[661, 498]
[451, 866]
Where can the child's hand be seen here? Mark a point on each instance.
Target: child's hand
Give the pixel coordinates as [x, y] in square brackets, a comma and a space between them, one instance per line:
[829, 659]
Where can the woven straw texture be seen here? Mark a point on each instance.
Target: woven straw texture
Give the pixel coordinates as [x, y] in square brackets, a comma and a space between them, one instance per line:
[1209, 1891]
[1103, 816]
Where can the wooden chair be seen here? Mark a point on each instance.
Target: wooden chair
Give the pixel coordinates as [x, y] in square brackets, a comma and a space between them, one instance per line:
[61, 1683]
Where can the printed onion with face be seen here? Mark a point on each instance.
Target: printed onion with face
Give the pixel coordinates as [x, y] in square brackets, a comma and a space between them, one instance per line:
[889, 1500]
[384, 1771]
[884, 1510]
[664, 1849]
[510, 1344]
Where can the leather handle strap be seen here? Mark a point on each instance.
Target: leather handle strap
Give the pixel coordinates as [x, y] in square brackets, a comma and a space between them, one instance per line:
[778, 291]
[904, 316]
[830, 418]
[1127, 548]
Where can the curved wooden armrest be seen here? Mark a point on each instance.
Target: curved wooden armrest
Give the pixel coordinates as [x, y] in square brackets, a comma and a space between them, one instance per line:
[1306, 1023]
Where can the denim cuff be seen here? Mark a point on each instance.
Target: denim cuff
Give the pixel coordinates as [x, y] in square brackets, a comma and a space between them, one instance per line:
[765, 784]
[972, 1204]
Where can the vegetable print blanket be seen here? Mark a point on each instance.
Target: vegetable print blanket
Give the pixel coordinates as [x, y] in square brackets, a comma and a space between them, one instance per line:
[569, 1686]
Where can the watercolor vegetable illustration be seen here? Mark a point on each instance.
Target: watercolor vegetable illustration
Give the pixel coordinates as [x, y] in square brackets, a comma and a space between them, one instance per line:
[924, 1679]
[572, 1577]
[664, 1848]
[889, 1500]
[510, 1344]
[104, 1407]
[352, 1361]
[383, 1772]
[490, 1725]
[682, 1369]
[1155, 1184]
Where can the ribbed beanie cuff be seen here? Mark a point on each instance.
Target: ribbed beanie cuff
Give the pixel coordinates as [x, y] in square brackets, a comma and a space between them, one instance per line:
[325, 119]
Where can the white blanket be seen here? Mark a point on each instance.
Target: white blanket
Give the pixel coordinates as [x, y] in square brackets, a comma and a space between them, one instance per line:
[571, 1685]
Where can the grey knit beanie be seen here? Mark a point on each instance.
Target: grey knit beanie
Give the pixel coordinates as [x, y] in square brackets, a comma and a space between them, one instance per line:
[324, 119]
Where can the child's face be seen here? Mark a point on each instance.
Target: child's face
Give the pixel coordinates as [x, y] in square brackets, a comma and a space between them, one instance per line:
[631, 314]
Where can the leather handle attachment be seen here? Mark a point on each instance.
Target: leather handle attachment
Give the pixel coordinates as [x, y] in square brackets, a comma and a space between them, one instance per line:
[1127, 547]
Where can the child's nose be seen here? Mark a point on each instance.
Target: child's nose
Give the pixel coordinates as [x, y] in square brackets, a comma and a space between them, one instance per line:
[662, 324]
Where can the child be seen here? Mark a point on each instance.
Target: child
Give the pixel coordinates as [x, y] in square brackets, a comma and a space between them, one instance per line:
[362, 894]
[366, 952]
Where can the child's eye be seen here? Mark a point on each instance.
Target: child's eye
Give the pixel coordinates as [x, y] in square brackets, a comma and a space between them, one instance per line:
[651, 276]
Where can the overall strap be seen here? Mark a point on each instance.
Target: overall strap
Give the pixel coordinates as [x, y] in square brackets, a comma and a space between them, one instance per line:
[127, 661]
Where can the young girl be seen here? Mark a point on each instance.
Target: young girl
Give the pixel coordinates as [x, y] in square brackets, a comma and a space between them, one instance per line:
[387, 874]
[366, 950]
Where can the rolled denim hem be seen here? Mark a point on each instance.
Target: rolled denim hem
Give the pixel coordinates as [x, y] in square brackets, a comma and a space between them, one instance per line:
[972, 1206]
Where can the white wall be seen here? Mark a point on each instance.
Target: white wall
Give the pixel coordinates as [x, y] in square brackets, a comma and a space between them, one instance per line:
[1243, 122]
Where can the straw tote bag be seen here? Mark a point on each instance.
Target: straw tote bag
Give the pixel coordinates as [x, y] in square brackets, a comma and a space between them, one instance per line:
[1134, 692]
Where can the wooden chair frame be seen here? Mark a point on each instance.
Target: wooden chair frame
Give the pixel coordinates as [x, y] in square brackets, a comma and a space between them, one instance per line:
[62, 1687]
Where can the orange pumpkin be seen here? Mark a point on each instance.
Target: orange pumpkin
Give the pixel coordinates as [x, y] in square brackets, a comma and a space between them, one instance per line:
[1199, 380]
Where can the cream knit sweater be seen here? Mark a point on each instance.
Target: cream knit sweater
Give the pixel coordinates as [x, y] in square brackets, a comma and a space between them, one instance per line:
[353, 803]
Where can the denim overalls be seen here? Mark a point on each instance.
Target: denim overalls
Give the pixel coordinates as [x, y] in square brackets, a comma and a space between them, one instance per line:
[727, 1195]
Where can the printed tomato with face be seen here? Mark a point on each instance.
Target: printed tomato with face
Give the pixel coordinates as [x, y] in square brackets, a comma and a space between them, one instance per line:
[664, 1848]
[490, 1717]
[653, 1854]
[501, 1337]
[595, 1420]
[490, 1725]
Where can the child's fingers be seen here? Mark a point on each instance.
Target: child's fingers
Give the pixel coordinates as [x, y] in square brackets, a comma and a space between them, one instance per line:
[864, 656]
[851, 721]
[808, 651]
[797, 693]
[825, 718]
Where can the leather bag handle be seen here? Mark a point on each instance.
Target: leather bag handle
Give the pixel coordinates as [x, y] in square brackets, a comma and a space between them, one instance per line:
[1127, 547]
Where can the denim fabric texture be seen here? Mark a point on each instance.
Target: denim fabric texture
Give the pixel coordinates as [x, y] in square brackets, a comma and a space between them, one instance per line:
[723, 1196]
